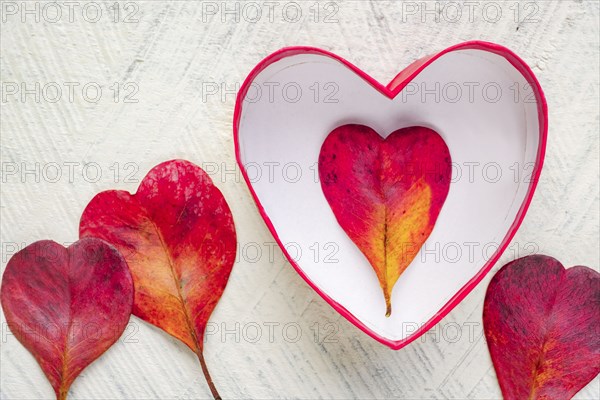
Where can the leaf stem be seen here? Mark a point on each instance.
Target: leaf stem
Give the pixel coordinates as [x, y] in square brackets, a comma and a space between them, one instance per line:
[388, 306]
[62, 393]
[209, 381]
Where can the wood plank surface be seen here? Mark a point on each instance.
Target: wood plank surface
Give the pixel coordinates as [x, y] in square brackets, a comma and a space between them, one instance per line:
[168, 72]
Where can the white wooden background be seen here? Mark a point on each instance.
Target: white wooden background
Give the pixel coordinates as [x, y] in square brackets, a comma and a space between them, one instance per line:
[171, 55]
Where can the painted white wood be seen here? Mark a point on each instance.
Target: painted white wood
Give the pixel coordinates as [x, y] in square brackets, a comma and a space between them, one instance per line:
[185, 59]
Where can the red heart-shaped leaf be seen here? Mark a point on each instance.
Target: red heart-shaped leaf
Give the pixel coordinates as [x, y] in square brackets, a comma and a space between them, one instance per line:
[386, 193]
[542, 325]
[67, 306]
[177, 235]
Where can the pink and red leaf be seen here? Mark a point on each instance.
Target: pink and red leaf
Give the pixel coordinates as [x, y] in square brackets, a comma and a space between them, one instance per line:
[67, 306]
[178, 237]
[542, 325]
[386, 193]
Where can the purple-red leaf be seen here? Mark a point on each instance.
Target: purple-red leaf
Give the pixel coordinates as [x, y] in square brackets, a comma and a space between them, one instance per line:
[542, 325]
[178, 237]
[67, 306]
[386, 193]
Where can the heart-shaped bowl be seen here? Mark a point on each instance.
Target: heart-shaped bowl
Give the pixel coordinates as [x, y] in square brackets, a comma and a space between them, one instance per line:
[482, 99]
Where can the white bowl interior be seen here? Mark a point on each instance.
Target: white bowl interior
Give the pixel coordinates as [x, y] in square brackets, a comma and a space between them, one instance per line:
[279, 136]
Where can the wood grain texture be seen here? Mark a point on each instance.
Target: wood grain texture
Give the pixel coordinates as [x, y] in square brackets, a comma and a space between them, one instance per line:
[176, 55]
